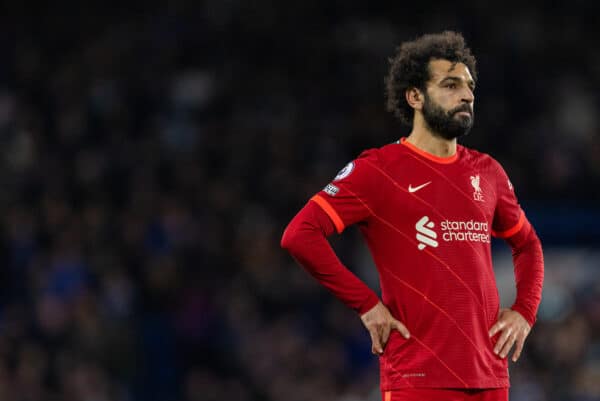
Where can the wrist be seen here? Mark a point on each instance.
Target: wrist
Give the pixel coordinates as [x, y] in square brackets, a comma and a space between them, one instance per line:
[368, 304]
[527, 315]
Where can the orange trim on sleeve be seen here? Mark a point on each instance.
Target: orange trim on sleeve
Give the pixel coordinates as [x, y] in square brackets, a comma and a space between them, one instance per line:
[337, 221]
[511, 231]
[434, 158]
[388, 396]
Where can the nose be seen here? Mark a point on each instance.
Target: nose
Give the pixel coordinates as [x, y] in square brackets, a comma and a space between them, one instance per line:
[468, 96]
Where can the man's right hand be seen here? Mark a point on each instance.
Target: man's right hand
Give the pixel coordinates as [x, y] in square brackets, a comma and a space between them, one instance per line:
[380, 322]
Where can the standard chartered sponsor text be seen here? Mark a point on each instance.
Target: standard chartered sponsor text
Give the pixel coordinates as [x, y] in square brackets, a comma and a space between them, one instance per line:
[474, 231]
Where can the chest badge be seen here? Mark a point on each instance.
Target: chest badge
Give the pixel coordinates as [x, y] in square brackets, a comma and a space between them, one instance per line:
[477, 194]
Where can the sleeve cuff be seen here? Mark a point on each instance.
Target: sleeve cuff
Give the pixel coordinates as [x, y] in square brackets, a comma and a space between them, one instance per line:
[369, 304]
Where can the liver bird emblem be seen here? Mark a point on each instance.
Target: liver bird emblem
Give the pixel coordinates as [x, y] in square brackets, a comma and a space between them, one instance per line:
[475, 183]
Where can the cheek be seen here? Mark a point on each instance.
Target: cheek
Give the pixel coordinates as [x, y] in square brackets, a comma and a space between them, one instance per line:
[446, 100]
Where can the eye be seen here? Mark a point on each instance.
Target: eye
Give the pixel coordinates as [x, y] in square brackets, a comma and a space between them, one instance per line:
[451, 86]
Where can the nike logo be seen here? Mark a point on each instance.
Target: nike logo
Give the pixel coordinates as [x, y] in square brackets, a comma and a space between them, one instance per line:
[412, 189]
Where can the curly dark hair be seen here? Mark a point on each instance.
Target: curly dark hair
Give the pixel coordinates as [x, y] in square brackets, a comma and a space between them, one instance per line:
[409, 68]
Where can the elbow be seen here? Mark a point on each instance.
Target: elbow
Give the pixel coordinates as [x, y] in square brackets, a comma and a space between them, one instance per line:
[532, 241]
[304, 229]
[530, 245]
[294, 239]
[288, 240]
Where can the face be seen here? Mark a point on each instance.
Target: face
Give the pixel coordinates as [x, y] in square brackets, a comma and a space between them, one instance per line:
[448, 100]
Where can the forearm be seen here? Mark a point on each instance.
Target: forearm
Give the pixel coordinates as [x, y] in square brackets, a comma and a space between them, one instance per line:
[528, 261]
[305, 239]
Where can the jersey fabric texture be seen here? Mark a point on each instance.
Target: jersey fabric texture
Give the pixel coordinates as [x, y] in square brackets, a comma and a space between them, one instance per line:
[419, 394]
[428, 223]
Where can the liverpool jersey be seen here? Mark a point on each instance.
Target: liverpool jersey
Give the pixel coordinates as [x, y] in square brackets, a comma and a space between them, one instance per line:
[428, 222]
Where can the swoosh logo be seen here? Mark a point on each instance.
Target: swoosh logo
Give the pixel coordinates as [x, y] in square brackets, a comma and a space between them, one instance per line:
[412, 189]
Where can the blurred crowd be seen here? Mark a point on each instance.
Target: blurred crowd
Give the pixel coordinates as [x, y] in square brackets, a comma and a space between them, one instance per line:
[150, 159]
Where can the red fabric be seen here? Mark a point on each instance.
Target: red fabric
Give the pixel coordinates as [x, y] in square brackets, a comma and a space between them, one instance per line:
[305, 239]
[428, 224]
[528, 260]
[421, 394]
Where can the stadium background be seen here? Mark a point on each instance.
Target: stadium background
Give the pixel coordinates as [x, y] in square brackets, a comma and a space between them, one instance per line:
[151, 156]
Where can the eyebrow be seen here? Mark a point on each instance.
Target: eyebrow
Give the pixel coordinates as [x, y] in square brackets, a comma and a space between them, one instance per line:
[470, 82]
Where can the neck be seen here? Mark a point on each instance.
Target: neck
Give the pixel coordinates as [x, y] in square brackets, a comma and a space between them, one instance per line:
[422, 137]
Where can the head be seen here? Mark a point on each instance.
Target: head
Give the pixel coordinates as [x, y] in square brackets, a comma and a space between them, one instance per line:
[432, 79]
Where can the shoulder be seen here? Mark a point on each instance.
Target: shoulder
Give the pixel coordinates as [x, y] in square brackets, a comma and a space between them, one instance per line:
[479, 159]
[369, 156]
[485, 162]
[383, 154]
[372, 154]
[369, 161]
[359, 166]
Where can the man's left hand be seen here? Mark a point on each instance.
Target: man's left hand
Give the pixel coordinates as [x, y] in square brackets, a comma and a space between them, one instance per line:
[514, 329]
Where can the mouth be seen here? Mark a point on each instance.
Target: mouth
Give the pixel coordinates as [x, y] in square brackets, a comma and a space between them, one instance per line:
[464, 113]
[462, 109]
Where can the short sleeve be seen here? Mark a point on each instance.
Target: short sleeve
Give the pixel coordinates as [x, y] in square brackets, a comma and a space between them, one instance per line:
[350, 197]
[509, 218]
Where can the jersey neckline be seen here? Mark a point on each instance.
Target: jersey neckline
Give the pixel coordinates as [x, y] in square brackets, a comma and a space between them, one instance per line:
[429, 156]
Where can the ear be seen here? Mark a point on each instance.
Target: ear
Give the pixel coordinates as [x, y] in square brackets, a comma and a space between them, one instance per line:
[415, 98]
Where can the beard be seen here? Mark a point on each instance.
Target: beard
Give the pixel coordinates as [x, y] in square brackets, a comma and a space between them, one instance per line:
[446, 123]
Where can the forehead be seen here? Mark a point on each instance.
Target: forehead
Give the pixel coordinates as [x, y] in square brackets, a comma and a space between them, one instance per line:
[440, 69]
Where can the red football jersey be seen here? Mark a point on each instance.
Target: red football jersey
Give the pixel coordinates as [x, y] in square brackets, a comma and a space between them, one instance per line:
[428, 223]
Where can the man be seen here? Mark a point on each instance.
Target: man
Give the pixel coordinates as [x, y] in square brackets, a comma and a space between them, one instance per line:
[427, 208]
